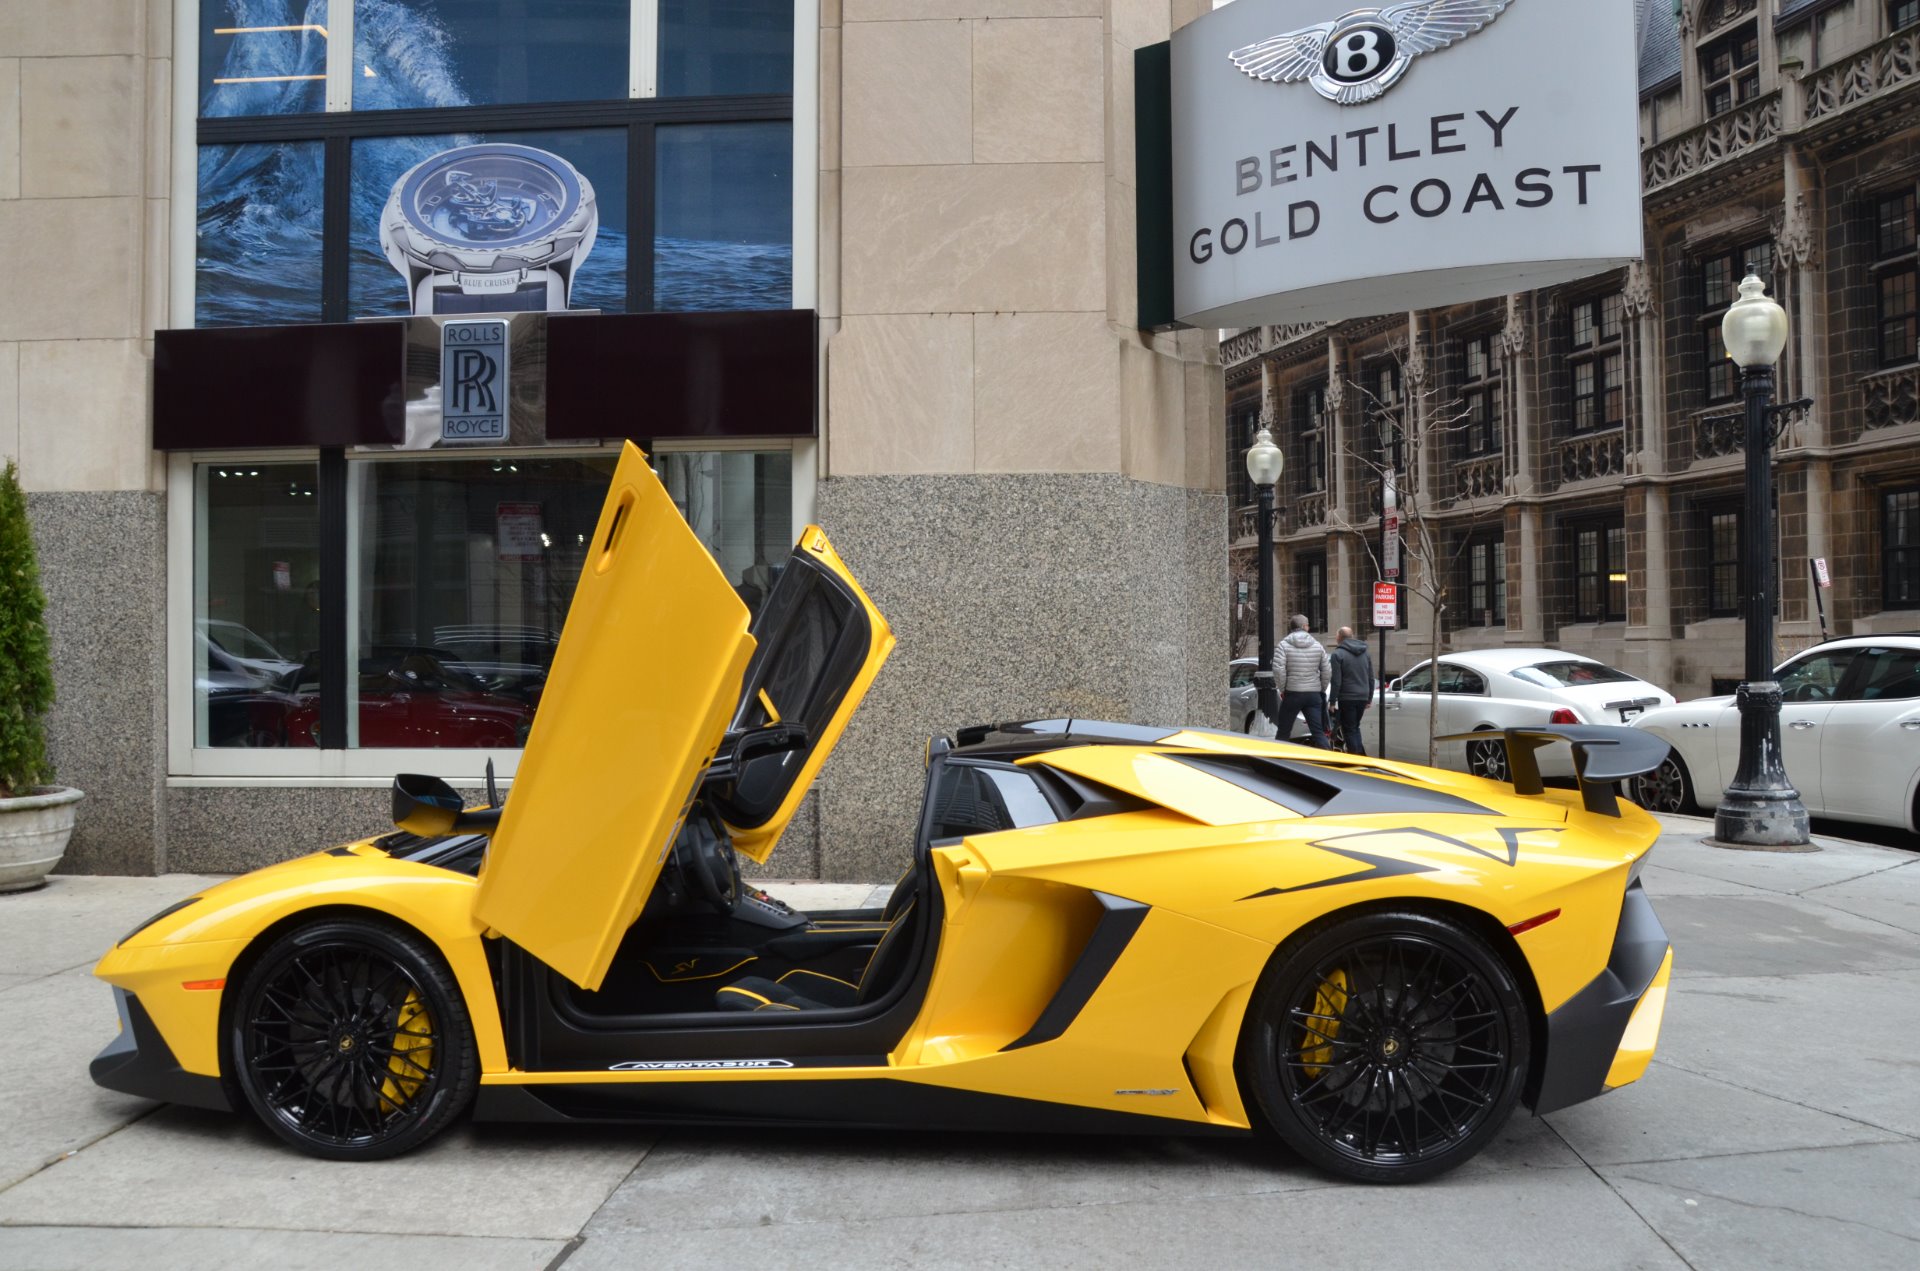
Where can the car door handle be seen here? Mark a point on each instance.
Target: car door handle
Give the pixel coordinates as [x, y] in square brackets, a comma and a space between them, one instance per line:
[1910, 724]
[1801, 724]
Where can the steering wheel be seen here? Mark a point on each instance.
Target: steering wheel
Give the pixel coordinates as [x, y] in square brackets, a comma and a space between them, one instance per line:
[708, 861]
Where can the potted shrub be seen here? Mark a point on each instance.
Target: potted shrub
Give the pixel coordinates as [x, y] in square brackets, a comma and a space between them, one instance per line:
[36, 816]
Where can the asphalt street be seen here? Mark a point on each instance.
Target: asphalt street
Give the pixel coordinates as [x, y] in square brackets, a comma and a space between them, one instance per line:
[1778, 1127]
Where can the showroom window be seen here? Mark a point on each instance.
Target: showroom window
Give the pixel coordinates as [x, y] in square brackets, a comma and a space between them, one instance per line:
[1599, 389]
[1599, 573]
[1897, 278]
[1480, 392]
[1720, 278]
[256, 601]
[460, 568]
[1900, 548]
[625, 185]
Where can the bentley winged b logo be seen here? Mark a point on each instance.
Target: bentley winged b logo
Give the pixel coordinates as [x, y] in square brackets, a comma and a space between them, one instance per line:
[1357, 57]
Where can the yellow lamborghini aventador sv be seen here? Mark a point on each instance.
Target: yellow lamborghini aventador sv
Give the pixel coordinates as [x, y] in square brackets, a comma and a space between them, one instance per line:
[1102, 927]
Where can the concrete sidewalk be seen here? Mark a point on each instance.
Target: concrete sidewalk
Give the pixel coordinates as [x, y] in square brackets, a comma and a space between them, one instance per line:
[1779, 1127]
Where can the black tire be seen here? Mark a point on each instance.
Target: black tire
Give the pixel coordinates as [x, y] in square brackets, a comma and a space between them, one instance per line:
[1410, 1079]
[325, 1040]
[1489, 759]
[1668, 788]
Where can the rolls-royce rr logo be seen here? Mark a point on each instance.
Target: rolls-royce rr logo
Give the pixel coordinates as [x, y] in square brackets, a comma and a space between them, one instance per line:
[1360, 55]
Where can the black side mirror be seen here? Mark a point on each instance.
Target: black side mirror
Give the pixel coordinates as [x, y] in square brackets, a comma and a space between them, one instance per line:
[431, 808]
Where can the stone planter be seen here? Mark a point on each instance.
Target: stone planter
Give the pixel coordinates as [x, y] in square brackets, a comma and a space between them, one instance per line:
[34, 829]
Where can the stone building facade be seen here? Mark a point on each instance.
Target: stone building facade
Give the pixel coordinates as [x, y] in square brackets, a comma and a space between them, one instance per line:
[1029, 487]
[1577, 453]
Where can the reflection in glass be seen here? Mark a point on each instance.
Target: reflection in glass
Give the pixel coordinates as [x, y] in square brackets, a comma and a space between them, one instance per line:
[263, 57]
[376, 289]
[740, 504]
[725, 46]
[256, 608]
[723, 234]
[466, 569]
[257, 256]
[414, 54]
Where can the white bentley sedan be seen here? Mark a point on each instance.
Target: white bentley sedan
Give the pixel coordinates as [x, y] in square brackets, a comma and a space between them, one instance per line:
[1849, 736]
[1487, 690]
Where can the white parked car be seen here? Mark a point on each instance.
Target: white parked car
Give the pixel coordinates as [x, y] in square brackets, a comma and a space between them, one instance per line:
[1849, 736]
[1488, 690]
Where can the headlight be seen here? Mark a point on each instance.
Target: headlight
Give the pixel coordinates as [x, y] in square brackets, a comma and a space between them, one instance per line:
[174, 908]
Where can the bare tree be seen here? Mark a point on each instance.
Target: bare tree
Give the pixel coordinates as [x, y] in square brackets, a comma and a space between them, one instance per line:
[1435, 534]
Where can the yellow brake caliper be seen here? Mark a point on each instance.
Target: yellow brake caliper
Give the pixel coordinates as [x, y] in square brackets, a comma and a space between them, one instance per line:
[1329, 1000]
[413, 1052]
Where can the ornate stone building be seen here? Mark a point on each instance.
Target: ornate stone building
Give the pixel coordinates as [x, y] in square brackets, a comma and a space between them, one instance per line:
[1577, 452]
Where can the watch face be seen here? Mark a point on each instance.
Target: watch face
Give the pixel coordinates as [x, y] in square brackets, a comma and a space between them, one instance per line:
[490, 196]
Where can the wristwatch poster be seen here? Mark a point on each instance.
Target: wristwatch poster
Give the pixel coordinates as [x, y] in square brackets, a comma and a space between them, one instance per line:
[492, 228]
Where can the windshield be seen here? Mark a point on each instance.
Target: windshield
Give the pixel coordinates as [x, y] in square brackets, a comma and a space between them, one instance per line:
[240, 641]
[1570, 674]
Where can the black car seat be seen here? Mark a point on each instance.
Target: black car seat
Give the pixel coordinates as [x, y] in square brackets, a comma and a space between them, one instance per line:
[803, 990]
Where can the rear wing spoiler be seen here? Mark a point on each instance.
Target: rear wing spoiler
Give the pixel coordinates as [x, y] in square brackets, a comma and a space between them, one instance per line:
[1602, 756]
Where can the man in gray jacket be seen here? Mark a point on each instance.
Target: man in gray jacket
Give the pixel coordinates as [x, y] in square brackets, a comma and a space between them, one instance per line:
[1352, 687]
[1301, 670]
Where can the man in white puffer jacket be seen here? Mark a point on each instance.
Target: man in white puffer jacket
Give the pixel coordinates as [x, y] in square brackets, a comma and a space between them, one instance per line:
[1302, 670]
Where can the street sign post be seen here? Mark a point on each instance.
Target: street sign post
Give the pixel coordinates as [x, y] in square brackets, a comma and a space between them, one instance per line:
[1386, 616]
[1821, 581]
[1390, 546]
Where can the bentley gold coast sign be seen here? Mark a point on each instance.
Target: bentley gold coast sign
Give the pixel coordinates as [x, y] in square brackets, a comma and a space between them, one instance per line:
[1332, 162]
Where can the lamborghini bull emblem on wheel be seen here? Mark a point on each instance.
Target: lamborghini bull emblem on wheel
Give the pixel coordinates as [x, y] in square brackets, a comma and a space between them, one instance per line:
[1097, 927]
[1357, 57]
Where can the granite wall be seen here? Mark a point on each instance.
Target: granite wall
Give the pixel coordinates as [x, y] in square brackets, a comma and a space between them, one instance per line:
[1016, 596]
[103, 568]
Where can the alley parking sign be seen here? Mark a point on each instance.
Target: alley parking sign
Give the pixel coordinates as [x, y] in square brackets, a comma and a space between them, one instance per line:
[473, 381]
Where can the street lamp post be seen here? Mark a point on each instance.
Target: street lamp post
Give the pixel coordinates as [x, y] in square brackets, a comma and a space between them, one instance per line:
[1760, 808]
[1264, 465]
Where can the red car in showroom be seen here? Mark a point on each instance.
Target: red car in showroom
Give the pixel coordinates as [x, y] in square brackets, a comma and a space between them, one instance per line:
[415, 696]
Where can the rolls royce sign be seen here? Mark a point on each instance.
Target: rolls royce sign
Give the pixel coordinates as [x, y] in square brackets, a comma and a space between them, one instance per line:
[1332, 162]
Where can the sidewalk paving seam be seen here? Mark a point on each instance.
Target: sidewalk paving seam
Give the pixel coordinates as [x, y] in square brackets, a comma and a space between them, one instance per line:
[70, 1153]
[1805, 1107]
[1633, 1209]
[1781, 1209]
[1872, 873]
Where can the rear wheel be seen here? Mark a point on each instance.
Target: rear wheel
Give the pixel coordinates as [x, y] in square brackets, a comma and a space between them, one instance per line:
[1489, 759]
[1665, 789]
[1386, 1048]
[350, 1040]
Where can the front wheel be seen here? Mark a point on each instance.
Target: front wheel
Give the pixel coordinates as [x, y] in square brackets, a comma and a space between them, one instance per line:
[1386, 1048]
[350, 1040]
[1665, 789]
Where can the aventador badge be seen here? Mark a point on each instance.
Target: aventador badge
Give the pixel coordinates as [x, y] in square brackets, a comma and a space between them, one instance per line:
[1357, 57]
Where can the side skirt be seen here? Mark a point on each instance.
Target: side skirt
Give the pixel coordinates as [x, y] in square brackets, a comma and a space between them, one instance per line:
[858, 1103]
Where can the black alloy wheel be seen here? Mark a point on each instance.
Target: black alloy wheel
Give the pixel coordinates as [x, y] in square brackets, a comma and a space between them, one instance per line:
[1489, 759]
[1386, 1048]
[1665, 789]
[350, 1040]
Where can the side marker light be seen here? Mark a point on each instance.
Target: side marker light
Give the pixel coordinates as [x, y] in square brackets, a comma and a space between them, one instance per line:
[216, 984]
[1539, 920]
